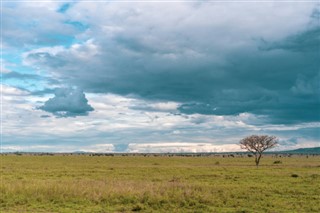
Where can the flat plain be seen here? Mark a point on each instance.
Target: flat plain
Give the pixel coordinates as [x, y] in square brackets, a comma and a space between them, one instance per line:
[83, 183]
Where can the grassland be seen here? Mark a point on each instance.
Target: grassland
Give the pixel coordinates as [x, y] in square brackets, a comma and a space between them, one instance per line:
[158, 184]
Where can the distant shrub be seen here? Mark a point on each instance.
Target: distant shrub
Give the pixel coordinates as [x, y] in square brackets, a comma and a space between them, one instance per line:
[277, 162]
[217, 163]
[18, 153]
[294, 175]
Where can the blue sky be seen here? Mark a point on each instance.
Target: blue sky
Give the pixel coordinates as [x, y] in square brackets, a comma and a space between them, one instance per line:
[159, 76]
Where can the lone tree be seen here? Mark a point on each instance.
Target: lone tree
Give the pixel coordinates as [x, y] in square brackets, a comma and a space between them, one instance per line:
[257, 144]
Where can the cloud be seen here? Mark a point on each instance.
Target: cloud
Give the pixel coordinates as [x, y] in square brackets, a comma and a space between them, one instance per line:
[306, 41]
[67, 102]
[306, 87]
[9, 91]
[17, 75]
[176, 147]
[156, 106]
[40, 25]
[100, 148]
[114, 121]
[227, 73]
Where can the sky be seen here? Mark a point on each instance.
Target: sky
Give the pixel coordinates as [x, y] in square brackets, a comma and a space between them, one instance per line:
[161, 76]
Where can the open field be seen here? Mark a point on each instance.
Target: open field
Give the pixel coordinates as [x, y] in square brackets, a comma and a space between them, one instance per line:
[83, 183]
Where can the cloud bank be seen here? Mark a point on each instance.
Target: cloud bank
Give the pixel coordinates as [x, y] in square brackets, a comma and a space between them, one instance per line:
[213, 62]
[185, 73]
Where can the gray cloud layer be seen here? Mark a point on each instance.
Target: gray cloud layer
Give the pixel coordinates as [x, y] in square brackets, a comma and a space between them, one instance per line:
[212, 58]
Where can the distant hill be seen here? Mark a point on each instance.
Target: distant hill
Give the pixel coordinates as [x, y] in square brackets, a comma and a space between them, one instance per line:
[313, 150]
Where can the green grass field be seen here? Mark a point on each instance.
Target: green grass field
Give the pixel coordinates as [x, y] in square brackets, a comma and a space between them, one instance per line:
[158, 184]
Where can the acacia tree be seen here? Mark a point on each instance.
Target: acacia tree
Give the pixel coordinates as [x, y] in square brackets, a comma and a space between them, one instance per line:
[257, 144]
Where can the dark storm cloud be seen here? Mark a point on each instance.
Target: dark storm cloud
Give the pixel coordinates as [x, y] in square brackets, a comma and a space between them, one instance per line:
[307, 41]
[67, 102]
[208, 68]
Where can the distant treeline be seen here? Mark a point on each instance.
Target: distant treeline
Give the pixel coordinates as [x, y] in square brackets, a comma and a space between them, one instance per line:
[224, 155]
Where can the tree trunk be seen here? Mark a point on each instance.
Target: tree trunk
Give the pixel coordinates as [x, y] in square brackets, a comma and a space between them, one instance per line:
[258, 156]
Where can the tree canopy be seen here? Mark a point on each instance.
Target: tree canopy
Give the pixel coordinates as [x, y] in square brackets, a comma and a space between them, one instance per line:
[257, 144]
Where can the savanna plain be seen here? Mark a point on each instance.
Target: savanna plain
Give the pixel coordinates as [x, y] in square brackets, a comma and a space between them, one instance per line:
[83, 183]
